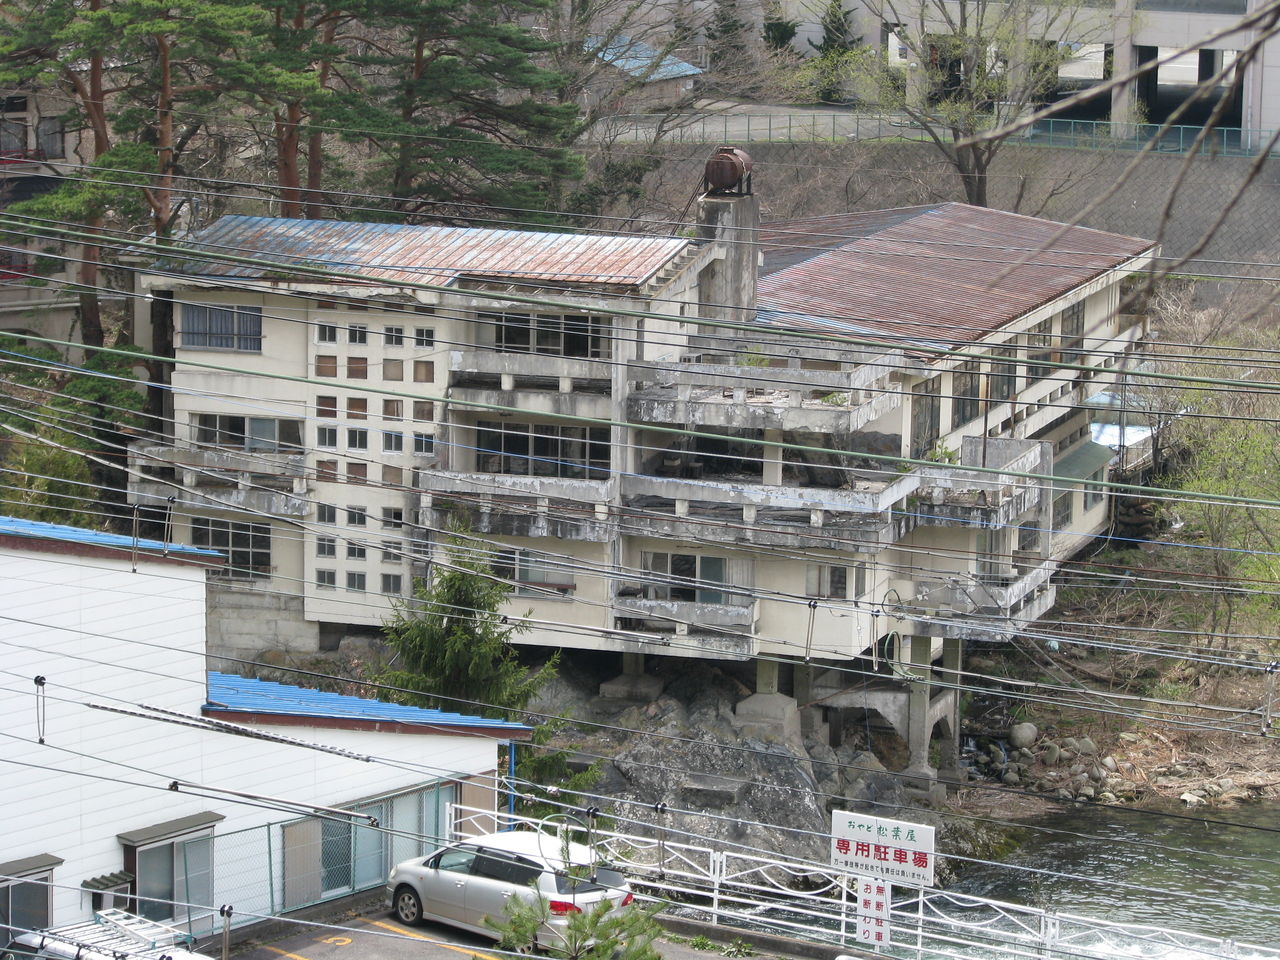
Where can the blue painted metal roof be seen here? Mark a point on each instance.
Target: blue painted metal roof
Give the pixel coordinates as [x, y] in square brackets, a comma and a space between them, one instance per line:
[229, 693]
[637, 59]
[37, 530]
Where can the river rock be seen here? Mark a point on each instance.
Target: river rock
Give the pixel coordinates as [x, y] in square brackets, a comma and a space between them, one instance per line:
[1227, 784]
[1097, 774]
[1064, 794]
[1210, 790]
[1011, 777]
[1109, 764]
[1086, 793]
[1107, 797]
[1069, 743]
[1050, 753]
[1129, 737]
[1191, 800]
[1086, 747]
[1023, 735]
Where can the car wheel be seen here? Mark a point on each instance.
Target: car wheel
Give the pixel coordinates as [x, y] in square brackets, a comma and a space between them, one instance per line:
[408, 906]
[529, 949]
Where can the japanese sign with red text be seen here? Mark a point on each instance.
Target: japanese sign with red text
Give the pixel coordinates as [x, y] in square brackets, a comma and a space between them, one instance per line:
[894, 850]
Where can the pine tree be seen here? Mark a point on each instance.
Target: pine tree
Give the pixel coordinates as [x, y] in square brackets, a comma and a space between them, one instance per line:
[727, 38]
[604, 932]
[453, 646]
[453, 107]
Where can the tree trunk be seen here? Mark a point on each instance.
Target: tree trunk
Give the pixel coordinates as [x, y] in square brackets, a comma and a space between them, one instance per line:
[288, 143]
[162, 204]
[315, 141]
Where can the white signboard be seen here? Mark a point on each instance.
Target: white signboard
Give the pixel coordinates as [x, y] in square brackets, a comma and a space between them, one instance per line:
[894, 850]
[874, 897]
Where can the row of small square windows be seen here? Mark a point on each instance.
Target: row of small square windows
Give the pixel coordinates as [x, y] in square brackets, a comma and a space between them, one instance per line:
[358, 333]
[392, 583]
[358, 439]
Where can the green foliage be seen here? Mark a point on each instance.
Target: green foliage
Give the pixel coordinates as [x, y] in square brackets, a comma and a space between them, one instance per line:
[779, 32]
[452, 644]
[738, 948]
[827, 69]
[941, 453]
[753, 357]
[537, 763]
[727, 37]
[700, 942]
[601, 933]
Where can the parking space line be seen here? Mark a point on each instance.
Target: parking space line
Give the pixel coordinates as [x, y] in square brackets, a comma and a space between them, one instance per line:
[417, 936]
[283, 953]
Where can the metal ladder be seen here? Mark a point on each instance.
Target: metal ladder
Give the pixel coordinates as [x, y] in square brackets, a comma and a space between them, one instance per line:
[145, 931]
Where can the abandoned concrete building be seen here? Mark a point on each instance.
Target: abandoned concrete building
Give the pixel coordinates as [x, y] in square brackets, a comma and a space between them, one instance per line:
[677, 447]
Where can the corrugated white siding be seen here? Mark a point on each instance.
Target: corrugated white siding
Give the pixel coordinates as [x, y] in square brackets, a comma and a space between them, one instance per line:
[101, 634]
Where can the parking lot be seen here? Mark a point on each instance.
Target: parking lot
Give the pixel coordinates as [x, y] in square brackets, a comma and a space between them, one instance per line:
[374, 936]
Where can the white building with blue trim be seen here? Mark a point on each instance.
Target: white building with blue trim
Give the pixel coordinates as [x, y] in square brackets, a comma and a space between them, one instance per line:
[135, 778]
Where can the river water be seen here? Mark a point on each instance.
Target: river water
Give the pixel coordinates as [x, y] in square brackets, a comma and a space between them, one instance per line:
[1192, 875]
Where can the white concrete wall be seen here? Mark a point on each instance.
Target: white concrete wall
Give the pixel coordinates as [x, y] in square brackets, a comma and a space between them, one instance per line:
[101, 634]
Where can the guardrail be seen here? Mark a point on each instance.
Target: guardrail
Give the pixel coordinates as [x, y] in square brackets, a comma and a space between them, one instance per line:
[813, 901]
[836, 126]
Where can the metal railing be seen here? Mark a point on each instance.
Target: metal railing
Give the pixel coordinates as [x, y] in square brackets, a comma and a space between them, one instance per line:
[835, 126]
[815, 902]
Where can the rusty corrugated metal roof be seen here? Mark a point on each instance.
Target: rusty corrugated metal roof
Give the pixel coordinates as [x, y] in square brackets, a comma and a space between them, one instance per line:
[430, 254]
[784, 243]
[946, 274]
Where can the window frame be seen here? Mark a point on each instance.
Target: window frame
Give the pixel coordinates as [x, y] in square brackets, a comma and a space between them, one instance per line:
[202, 530]
[242, 333]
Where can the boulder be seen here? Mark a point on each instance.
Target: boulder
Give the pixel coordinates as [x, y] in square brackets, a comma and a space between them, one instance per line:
[1086, 747]
[1191, 800]
[1011, 777]
[1109, 764]
[1050, 753]
[1023, 735]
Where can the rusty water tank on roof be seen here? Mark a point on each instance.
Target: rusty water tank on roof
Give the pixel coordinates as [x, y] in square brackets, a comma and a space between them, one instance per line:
[728, 170]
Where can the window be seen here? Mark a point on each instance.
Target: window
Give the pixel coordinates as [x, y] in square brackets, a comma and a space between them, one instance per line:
[833, 582]
[248, 433]
[357, 438]
[567, 336]
[13, 138]
[222, 327]
[391, 551]
[357, 408]
[1004, 373]
[357, 472]
[1094, 495]
[327, 333]
[392, 476]
[685, 571]
[357, 516]
[392, 369]
[393, 409]
[393, 336]
[1072, 331]
[355, 551]
[326, 436]
[424, 444]
[247, 546]
[170, 862]
[357, 368]
[326, 406]
[424, 337]
[327, 579]
[326, 513]
[424, 371]
[24, 903]
[356, 581]
[925, 412]
[542, 450]
[966, 391]
[392, 583]
[424, 411]
[326, 546]
[326, 365]
[327, 471]
[1039, 336]
[358, 333]
[531, 572]
[50, 140]
[1062, 511]
[392, 442]
[392, 518]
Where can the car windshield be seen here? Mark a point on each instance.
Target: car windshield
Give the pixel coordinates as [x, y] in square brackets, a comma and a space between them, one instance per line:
[606, 878]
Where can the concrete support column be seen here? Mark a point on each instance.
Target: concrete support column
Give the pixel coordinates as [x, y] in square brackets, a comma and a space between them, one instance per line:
[1118, 60]
[918, 729]
[633, 683]
[1210, 63]
[771, 455]
[813, 719]
[949, 768]
[766, 676]
[633, 664]
[767, 714]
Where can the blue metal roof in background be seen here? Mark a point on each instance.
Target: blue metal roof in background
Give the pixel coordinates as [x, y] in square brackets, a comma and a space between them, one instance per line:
[37, 530]
[229, 693]
[637, 59]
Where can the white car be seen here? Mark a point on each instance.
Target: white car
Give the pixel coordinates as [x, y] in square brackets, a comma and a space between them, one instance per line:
[475, 878]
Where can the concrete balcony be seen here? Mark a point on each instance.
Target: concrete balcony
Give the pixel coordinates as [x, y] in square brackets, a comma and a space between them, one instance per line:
[863, 497]
[270, 483]
[723, 629]
[500, 485]
[952, 496]
[512, 516]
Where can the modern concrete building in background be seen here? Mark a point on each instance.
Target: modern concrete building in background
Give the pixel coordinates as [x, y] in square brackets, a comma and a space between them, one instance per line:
[650, 476]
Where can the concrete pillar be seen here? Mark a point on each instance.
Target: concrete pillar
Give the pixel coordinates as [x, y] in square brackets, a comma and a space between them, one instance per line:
[1148, 84]
[1210, 63]
[813, 719]
[771, 455]
[918, 727]
[766, 676]
[633, 683]
[1119, 61]
[633, 664]
[949, 768]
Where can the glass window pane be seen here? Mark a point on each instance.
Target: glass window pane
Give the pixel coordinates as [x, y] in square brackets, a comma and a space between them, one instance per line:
[155, 881]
